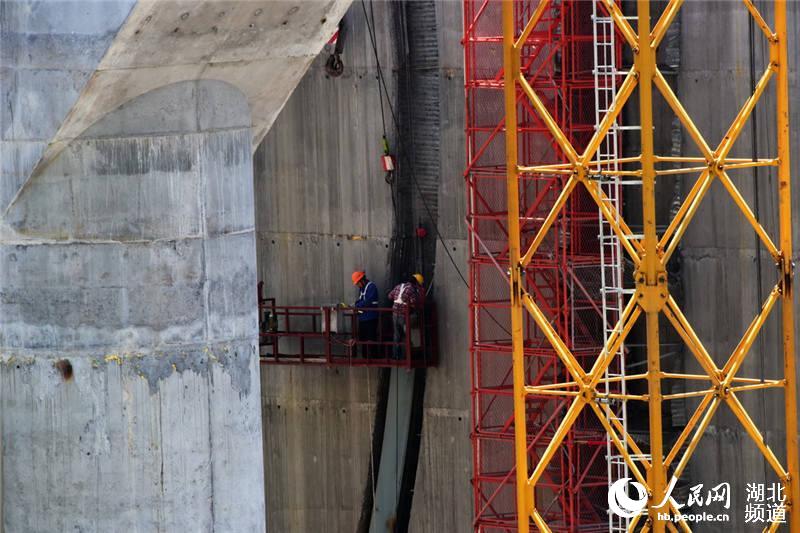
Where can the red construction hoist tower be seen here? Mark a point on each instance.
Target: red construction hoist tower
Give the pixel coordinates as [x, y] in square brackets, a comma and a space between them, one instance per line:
[564, 276]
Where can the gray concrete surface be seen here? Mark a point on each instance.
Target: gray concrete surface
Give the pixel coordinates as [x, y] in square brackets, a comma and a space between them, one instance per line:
[323, 209]
[443, 493]
[128, 326]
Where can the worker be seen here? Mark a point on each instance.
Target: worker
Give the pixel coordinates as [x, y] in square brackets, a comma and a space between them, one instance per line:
[409, 295]
[367, 323]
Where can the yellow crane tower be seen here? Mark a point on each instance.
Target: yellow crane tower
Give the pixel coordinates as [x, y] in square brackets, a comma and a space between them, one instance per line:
[649, 254]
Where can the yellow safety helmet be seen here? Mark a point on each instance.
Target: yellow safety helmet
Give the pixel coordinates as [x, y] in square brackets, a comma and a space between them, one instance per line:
[419, 278]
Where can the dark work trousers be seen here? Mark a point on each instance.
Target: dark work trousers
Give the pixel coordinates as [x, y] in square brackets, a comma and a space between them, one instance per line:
[399, 349]
[368, 331]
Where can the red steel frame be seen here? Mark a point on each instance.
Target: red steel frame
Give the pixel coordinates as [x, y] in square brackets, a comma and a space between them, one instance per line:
[564, 274]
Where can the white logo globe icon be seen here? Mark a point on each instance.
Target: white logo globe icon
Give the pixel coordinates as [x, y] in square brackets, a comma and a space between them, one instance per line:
[621, 504]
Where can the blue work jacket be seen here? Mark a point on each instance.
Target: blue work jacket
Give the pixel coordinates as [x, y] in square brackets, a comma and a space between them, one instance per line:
[367, 297]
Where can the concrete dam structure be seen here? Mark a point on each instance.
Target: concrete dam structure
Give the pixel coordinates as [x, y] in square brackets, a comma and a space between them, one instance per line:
[186, 189]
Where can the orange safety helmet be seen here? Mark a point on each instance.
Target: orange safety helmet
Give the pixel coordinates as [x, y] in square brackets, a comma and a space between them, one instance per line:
[357, 276]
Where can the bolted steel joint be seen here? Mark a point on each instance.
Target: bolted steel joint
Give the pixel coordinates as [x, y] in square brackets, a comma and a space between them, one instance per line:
[722, 391]
[588, 393]
[652, 297]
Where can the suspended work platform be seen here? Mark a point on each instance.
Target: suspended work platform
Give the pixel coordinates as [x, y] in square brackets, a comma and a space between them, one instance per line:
[330, 336]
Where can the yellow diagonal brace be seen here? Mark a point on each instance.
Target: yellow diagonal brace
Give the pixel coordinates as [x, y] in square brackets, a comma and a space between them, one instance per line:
[611, 214]
[622, 24]
[737, 357]
[569, 418]
[696, 437]
[774, 525]
[618, 225]
[540, 523]
[685, 213]
[623, 326]
[563, 196]
[633, 523]
[684, 329]
[558, 135]
[623, 451]
[572, 365]
[628, 439]
[744, 113]
[687, 430]
[768, 33]
[660, 29]
[677, 108]
[534, 20]
[748, 213]
[684, 526]
[741, 413]
[623, 93]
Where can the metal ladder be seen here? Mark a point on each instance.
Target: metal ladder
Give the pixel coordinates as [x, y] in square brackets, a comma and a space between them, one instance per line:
[612, 289]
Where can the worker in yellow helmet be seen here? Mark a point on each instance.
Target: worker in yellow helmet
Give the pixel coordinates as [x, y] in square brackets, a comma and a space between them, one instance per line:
[367, 323]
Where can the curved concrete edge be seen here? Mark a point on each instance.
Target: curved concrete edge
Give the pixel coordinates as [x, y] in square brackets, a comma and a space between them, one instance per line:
[263, 47]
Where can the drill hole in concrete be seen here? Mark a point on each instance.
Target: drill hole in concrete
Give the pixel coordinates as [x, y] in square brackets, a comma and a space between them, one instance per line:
[64, 368]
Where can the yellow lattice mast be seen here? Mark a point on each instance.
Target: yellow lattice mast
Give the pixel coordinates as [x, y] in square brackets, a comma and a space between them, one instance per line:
[650, 254]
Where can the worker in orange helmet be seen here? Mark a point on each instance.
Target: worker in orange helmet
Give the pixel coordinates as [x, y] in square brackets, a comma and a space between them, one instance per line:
[368, 299]
[407, 295]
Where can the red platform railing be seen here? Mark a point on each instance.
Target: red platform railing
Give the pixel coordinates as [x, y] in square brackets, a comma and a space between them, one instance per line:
[329, 336]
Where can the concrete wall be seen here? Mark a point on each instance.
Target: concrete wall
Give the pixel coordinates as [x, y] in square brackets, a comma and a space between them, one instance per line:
[49, 50]
[322, 210]
[443, 493]
[128, 326]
